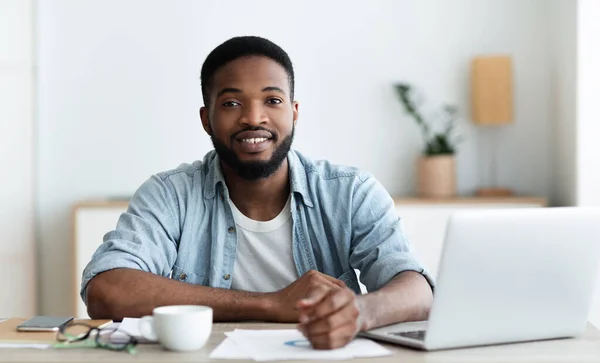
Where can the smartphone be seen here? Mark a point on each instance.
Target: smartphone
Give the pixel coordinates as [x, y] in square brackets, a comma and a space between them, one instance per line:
[44, 323]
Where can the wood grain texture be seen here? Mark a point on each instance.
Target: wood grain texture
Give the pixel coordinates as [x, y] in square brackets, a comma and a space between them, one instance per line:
[9, 333]
[583, 349]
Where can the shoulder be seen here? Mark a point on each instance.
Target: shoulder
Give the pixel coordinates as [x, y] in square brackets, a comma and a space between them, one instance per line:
[182, 180]
[325, 170]
[188, 171]
[338, 189]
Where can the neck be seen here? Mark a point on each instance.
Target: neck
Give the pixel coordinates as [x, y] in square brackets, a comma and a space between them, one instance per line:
[262, 199]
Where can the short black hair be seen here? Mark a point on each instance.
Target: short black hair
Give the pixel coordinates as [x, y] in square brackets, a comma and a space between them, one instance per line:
[239, 47]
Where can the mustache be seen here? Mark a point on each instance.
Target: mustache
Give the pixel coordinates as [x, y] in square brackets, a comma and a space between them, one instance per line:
[254, 128]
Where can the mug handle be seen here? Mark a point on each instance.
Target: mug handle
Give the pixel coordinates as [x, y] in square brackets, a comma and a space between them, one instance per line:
[146, 327]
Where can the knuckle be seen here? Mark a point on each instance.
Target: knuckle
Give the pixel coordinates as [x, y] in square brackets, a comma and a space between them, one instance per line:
[328, 324]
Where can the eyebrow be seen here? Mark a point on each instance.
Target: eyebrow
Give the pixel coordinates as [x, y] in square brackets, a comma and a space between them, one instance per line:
[237, 90]
[229, 90]
[273, 88]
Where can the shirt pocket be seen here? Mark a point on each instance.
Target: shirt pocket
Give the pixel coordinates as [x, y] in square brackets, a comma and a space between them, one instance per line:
[350, 279]
[182, 275]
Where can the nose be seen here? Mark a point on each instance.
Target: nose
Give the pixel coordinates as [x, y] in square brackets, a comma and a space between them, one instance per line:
[253, 114]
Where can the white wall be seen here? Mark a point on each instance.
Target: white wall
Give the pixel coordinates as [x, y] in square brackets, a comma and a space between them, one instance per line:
[119, 92]
[17, 217]
[588, 120]
[563, 57]
[588, 91]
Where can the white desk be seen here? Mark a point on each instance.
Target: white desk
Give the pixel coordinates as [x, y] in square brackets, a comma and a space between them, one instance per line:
[584, 349]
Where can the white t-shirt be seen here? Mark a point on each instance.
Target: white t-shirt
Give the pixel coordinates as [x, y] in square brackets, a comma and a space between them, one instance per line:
[264, 260]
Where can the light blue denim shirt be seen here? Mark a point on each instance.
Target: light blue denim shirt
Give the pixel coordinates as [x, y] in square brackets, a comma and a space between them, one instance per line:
[179, 224]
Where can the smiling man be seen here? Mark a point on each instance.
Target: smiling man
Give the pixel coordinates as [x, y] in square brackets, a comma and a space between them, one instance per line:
[256, 230]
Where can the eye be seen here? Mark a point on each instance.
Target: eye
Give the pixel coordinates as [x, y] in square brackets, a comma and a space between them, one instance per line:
[274, 101]
[230, 104]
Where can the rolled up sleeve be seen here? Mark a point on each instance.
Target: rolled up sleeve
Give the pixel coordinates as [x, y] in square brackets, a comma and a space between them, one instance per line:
[146, 235]
[379, 248]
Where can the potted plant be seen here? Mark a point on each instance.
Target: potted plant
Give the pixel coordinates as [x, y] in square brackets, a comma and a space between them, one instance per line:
[437, 165]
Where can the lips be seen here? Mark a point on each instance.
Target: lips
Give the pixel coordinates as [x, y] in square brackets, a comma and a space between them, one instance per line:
[254, 141]
[258, 134]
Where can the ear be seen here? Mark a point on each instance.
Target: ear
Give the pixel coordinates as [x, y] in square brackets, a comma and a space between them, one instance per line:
[205, 120]
[295, 110]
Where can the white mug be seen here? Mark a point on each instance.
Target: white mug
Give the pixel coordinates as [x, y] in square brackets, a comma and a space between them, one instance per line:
[181, 328]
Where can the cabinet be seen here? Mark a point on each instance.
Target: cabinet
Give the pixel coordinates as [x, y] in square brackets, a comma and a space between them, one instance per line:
[91, 221]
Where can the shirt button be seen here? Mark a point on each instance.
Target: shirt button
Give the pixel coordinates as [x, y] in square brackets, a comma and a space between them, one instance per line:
[227, 276]
[222, 198]
[231, 230]
[182, 276]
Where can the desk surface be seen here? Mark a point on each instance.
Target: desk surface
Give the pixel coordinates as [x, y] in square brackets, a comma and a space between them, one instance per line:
[583, 349]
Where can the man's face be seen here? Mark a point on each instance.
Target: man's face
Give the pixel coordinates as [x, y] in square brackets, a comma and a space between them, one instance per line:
[251, 116]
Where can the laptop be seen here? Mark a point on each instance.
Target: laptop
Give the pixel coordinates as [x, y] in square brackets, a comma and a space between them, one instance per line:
[508, 276]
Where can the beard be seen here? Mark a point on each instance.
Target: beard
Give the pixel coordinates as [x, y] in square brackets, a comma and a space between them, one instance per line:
[254, 170]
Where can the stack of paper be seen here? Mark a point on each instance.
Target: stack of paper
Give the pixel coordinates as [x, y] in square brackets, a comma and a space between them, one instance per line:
[267, 345]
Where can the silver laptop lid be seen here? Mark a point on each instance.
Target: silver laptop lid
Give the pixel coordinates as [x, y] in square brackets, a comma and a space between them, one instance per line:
[515, 275]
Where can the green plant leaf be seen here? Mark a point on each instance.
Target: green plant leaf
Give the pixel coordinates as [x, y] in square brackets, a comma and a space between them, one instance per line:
[438, 143]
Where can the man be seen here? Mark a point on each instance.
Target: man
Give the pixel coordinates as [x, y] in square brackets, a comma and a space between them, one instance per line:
[256, 230]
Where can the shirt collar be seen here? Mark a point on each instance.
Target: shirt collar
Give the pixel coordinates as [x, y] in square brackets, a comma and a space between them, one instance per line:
[298, 177]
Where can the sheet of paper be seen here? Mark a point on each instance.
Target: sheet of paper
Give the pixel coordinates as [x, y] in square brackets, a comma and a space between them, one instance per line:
[268, 345]
[24, 346]
[228, 350]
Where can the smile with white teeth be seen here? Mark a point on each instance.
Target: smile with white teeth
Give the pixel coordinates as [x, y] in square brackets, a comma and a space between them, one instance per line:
[255, 140]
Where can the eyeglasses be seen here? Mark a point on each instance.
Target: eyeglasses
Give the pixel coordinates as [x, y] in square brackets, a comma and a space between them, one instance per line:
[81, 335]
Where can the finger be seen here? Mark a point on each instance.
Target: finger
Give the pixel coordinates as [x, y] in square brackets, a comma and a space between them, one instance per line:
[319, 280]
[335, 300]
[334, 339]
[314, 274]
[335, 281]
[322, 280]
[314, 296]
[328, 281]
[347, 314]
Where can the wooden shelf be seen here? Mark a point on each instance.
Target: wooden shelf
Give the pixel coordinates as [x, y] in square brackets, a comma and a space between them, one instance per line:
[121, 203]
[472, 200]
[102, 203]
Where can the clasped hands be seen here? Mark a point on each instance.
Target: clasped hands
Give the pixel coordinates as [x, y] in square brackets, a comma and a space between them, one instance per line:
[327, 311]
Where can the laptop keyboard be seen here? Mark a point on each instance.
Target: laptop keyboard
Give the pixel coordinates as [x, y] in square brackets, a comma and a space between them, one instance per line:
[416, 334]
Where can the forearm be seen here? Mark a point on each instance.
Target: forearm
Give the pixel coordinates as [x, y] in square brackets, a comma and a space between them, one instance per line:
[407, 297]
[120, 293]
